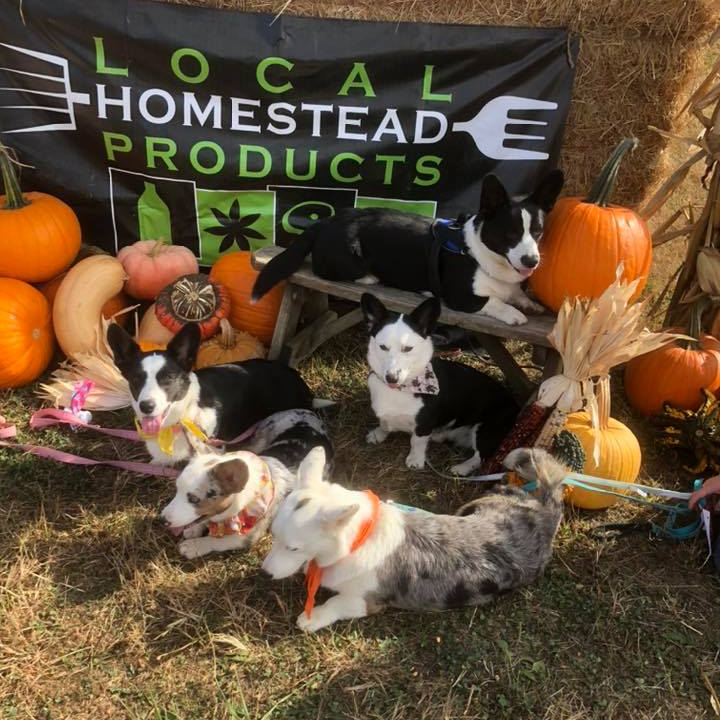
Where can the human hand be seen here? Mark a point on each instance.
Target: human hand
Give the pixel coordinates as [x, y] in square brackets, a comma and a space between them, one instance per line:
[710, 487]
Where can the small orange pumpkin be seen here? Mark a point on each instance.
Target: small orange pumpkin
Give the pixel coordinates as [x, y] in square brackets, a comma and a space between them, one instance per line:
[585, 239]
[228, 347]
[151, 265]
[39, 234]
[150, 346]
[193, 298]
[236, 273]
[26, 335]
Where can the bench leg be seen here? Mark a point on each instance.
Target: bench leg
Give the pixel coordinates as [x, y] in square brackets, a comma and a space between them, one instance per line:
[324, 328]
[552, 364]
[287, 321]
[519, 382]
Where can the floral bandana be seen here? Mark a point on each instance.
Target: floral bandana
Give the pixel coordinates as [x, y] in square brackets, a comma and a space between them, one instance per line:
[426, 383]
[245, 520]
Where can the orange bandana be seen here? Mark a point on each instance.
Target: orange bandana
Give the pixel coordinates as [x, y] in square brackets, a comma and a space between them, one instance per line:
[313, 574]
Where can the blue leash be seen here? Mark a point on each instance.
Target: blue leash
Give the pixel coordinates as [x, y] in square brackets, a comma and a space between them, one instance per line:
[670, 529]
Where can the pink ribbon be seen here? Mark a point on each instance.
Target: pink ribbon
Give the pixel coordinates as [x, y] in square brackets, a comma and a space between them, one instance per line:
[49, 417]
[81, 391]
[10, 431]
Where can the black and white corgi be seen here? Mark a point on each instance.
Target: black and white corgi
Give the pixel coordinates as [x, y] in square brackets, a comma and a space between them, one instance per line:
[431, 398]
[477, 264]
[170, 400]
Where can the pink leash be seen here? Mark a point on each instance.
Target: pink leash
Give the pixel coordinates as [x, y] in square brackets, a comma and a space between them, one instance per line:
[49, 417]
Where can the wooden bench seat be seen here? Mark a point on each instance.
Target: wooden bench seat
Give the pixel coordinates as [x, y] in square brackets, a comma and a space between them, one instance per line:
[306, 295]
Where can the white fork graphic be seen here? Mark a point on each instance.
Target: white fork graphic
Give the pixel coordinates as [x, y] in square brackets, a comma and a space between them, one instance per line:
[489, 127]
[67, 93]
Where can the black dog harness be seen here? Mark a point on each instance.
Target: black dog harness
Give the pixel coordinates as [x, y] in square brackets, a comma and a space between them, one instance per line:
[447, 235]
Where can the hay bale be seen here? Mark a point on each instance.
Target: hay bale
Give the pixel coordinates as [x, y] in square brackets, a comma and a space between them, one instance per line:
[636, 64]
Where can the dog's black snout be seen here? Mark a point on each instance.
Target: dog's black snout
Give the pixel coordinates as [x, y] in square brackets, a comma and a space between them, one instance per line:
[264, 573]
[530, 261]
[146, 406]
[391, 378]
[163, 521]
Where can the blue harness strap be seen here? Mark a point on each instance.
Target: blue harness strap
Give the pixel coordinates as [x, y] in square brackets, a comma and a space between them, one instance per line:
[446, 235]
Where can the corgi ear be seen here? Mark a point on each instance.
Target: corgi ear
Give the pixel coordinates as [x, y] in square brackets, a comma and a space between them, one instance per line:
[374, 311]
[339, 516]
[424, 317]
[310, 471]
[230, 476]
[546, 193]
[124, 349]
[493, 196]
[184, 346]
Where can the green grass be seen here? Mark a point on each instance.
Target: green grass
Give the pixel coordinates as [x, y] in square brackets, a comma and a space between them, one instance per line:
[100, 616]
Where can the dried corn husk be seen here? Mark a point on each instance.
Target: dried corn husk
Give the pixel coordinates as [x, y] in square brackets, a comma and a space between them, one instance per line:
[696, 275]
[111, 391]
[593, 336]
[708, 271]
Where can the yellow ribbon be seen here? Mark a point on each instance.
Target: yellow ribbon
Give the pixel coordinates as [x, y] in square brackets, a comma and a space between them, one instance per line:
[166, 437]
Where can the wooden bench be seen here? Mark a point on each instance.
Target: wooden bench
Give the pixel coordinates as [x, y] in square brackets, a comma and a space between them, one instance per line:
[306, 296]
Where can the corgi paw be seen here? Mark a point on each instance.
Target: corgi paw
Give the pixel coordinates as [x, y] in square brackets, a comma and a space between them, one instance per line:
[311, 624]
[464, 469]
[192, 548]
[376, 436]
[531, 306]
[511, 316]
[415, 461]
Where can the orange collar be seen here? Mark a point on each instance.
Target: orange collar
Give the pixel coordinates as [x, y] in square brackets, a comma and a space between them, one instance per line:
[313, 574]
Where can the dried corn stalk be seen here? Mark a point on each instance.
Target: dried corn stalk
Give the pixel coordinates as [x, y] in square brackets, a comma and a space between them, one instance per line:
[593, 336]
[111, 390]
[702, 232]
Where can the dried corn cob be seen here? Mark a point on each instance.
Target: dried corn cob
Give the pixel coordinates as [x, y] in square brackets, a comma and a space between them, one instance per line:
[528, 425]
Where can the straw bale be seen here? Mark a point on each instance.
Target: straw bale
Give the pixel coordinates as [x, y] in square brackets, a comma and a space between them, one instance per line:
[636, 65]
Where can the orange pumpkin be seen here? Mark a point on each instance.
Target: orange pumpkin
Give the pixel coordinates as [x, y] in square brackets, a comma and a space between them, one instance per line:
[151, 265]
[193, 299]
[585, 239]
[236, 273]
[675, 373]
[26, 336]
[39, 234]
[228, 346]
[114, 305]
[150, 346]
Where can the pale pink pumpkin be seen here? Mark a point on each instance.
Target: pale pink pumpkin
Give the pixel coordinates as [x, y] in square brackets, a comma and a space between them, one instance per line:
[151, 265]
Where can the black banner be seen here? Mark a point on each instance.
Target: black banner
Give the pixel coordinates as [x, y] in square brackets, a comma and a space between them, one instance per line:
[222, 130]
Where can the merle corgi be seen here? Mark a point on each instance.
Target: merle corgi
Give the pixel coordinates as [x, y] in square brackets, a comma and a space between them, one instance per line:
[172, 402]
[477, 264]
[288, 436]
[372, 555]
[431, 398]
[227, 502]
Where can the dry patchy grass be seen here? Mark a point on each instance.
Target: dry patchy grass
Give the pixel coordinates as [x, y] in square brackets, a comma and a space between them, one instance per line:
[100, 616]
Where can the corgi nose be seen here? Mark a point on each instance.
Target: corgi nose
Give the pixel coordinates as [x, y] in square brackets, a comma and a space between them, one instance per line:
[147, 406]
[530, 261]
[391, 378]
[163, 521]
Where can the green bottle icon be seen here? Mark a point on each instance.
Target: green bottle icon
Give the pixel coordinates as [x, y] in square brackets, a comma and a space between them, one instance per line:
[153, 216]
